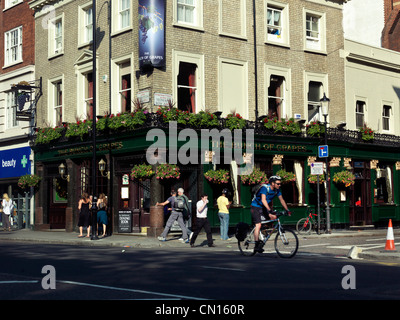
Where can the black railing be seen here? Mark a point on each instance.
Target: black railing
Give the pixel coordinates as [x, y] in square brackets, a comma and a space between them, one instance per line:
[153, 120]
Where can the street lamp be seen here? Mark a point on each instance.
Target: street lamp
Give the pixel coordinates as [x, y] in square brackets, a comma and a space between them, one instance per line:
[61, 171]
[325, 108]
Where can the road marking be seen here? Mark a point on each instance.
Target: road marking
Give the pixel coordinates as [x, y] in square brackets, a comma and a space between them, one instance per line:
[315, 245]
[16, 281]
[130, 290]
[375, 239]
[218, 268]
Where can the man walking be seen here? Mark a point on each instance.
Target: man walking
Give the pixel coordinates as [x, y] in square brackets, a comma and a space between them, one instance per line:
[176, 214]
[202, 221]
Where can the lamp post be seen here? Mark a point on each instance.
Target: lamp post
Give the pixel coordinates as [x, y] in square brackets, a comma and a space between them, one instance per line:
[325, 108]
[94, 167]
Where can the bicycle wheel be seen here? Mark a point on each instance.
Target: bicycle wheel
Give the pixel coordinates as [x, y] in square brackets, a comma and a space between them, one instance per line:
[286, 243]
[246, 247]
[303, 227]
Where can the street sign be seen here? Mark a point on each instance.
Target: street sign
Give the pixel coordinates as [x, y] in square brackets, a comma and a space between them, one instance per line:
[317, 168]
[323, 151]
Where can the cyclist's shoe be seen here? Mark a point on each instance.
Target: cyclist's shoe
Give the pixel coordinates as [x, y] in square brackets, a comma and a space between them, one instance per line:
[258, 247]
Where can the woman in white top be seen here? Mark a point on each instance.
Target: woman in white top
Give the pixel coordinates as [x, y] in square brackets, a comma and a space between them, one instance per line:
[7, 208]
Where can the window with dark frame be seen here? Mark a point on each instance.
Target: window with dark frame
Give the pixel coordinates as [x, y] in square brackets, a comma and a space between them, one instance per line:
[360, 109]
[187, 87]
[386, 117]
[276, 96]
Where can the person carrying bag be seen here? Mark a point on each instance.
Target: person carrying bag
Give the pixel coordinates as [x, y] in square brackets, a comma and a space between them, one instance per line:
[8, 207]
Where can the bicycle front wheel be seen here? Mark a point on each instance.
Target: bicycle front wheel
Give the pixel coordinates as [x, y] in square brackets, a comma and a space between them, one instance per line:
[303, 226]
[286, 243]
[246, 247]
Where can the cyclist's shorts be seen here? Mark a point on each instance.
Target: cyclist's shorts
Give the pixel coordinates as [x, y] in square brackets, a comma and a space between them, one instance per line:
[257, 212]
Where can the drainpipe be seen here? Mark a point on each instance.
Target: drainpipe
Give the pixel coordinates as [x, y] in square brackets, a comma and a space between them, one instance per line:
[255, 60]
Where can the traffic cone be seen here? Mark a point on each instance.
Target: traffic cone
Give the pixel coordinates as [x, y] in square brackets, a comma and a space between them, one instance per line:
[390, 238]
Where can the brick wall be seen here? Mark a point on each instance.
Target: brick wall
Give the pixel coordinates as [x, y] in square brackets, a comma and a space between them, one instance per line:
[210, 43]
[14, 17]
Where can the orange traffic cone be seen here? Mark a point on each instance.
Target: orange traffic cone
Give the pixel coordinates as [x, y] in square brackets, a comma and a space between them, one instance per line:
[390, 238]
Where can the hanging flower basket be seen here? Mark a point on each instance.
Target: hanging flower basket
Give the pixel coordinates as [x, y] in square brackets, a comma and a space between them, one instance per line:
[344, 178]
[283, 126]
[46, 135]
[286, 176]
[167, 171]
[256, 177]
[315, 129]
[367, 134]
[312, 178]
[142, 172]
[79, 129]
[235, 121]
[28, 180]
[217, 176]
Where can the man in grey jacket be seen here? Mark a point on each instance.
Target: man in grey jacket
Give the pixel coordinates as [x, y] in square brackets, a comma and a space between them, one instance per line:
[175, 215]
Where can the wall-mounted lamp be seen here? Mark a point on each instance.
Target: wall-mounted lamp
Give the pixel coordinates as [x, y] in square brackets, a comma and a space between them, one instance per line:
[102, 169]
[62, 171]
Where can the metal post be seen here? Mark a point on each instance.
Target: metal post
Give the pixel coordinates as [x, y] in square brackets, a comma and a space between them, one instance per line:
[94, 163]
[328, 200]
[318, 206]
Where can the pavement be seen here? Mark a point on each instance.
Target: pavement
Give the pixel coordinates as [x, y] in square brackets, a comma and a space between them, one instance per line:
[143, 241]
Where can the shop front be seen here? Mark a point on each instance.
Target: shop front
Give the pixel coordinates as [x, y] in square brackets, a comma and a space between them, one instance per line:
[368, 200]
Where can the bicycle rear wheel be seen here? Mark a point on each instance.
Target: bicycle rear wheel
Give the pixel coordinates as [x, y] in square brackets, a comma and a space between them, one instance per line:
[303, 227]
[286, 243]
[246, 247]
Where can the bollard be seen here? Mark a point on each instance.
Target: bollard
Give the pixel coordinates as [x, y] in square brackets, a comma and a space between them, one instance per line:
[156, 221]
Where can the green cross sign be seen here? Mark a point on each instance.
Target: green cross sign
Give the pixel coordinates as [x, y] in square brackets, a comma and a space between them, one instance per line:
[24, 161]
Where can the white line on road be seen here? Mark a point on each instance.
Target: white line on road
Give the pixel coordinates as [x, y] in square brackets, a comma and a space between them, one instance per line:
[315, 245]
[218, 268]
[129, 290]
[16, 282]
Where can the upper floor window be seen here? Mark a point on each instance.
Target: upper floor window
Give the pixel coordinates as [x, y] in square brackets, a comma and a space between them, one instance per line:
[11, 109]
[188, 12]
[315, 31]
[360, 113]
[10, 3]
[13, 46]
[121, 15]
[277, 23]
[276, 97]
[88, 25]
[124, 13]
[315, 91]
[56, 36]
[85, 21]
[387, 110]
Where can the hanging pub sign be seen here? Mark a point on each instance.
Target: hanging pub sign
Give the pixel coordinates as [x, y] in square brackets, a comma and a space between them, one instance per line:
[151, 33]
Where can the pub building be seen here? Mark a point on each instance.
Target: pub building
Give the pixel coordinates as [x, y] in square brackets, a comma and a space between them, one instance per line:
[65, 169]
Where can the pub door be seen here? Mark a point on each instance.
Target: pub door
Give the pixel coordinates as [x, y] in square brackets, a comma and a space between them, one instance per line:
[361, 204]
[56, 197]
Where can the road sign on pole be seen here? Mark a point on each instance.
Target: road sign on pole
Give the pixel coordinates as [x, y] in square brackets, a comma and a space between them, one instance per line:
[317, 168]
[323, 151]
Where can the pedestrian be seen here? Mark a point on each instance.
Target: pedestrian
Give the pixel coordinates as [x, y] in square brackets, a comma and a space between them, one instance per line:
[202, 221]
[84, 215]
[176, 214]
[102, 213]
[223, 213]
[8, 207]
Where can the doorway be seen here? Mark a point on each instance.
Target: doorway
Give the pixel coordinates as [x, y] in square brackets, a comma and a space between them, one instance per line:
[360, 202]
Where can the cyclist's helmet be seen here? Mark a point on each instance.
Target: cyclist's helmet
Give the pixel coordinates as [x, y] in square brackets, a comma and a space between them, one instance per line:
[274, 178]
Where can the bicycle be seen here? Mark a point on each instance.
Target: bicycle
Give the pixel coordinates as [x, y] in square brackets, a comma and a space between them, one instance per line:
[304, 225]
[286, 242]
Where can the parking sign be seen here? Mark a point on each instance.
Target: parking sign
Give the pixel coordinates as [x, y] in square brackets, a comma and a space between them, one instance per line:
[323, 151]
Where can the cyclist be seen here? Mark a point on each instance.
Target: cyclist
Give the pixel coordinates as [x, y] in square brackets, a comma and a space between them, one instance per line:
[262, 203]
